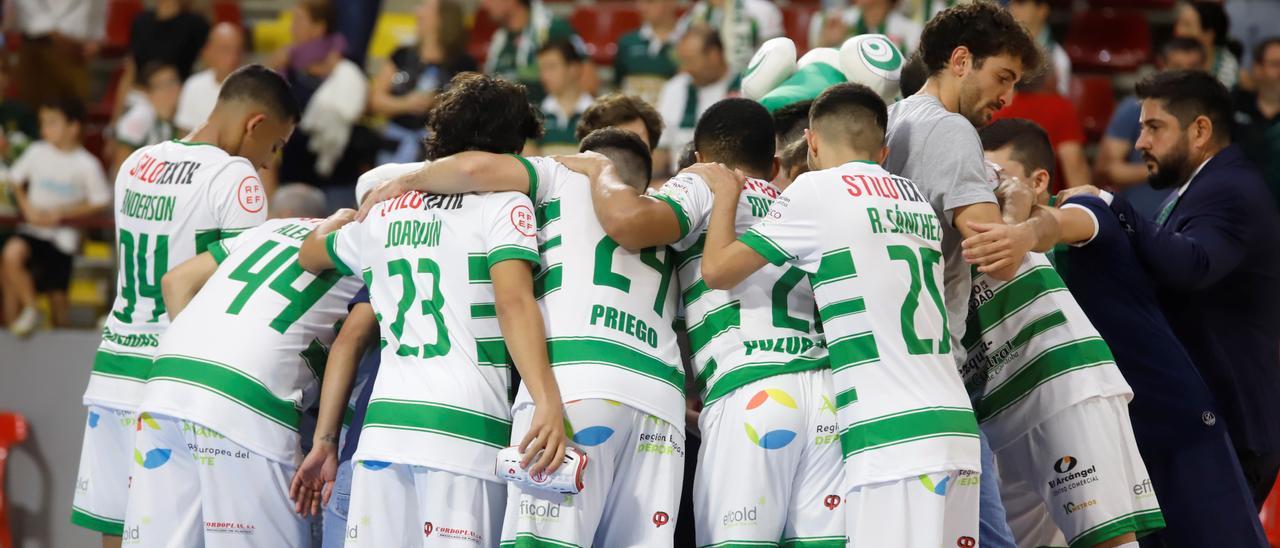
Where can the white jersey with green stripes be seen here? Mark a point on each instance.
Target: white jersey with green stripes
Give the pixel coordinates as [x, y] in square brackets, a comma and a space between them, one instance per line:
[609, 311]
[440, 399]
[172, 200]
[871, 245]
[247, 354]
[1031, 352]
[763, 327]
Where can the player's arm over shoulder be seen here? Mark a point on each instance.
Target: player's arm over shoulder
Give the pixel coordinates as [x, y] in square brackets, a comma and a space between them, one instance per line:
[331, 245]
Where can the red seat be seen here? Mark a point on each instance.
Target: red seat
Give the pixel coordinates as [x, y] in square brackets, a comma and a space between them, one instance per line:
[1108, 40]
[13, 430]
[227, 11]
[601, 25]
[120, 16]
[795, 25]
[1095, 100]
[482, 29]
[1270, 516]
[1134, 4]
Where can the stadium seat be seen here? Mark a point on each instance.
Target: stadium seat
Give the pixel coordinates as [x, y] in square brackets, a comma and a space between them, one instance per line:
[1094, 100]
[795, 24]
[1134, 4]
[482, 29]
[120, 16]
[1108, 41]
[13, 430]
[391, 31]
[601, 25]
[227, 11]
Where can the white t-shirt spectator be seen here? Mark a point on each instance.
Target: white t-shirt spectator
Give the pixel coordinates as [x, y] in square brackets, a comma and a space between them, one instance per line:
[79, 19]
[199, 94]
[55, 179]
[140, 126]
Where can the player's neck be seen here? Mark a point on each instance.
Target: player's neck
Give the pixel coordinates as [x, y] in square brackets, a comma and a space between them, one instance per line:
[946, 91]
[839, 157]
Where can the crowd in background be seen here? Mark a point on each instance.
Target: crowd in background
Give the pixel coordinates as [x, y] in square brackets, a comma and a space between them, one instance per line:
[361, 111]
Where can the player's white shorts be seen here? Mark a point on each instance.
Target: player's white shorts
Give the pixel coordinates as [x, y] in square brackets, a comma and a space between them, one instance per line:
[1083, 464]
[631, 486]
[404, 505]
[102, 484]
[193, 487]
[926, 511]
[781, 433]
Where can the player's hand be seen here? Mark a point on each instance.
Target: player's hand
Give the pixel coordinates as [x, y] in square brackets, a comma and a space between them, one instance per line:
[339, 219]
[1068, 193]
[997, 246]
[587, 163]
[720, 178]
[1016, 200]
[312, 484]
[394, 188]
[545, 436]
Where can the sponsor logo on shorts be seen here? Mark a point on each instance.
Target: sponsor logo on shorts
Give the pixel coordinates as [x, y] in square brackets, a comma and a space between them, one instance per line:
[773, 439]
[208, 456]
[93, 419]
[540, 511]
[200, 431]
[659, 444]
[966, 542]
[1144, 489]
[229, 527]
[132, 535]
[590, 436]
[374, 465]
[144, 419]
[1073, 507]
[1065, 464]
[153, 459]
[831, 502]
[741, 517]
[455, 533]
[936, 483]
[427, 528]
[353, 532]
[660, 518]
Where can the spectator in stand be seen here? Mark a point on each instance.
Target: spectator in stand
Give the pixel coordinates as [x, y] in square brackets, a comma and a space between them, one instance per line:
[1120, 164]
[831, 27]
[297, 200]
[623, 111]
[18, 125]
[222, 54]
[171, 34]
[1257, 114]
[150, 120]
[523, 27]
[1034, 15]
[328, 149]
[55, 180]
[405, 89]
[704, 79]
[58, 39]
[743, 25]
[1206, 21]
[646, 56]
[560, 64]
[1037, 101]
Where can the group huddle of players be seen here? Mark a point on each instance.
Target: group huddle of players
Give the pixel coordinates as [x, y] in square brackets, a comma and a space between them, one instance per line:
[844, 345]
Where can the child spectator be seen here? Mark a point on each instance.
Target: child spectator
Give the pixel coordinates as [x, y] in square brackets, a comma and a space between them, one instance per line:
[560, 70]
[55, 180]
[151, 121]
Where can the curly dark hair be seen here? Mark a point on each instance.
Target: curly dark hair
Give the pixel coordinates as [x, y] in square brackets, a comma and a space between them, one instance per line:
[616, 109]
[479, 112]
[986, 29]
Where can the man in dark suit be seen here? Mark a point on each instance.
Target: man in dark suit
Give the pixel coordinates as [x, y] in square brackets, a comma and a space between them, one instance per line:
[1214, 252]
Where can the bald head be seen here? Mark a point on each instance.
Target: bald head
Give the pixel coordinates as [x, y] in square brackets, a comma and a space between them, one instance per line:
[224, 50]
[298, 200]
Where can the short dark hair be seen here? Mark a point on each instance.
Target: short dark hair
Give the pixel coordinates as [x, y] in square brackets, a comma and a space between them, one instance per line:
[737, 132]
[914, 75]
[983, 27]
[710, 37]
[1260, 50]
[795, 155]
[1188, 94]
[1182, 44]
[567, 49]
[1030, 143]
[1213, 17]
[616, 109]
[790, 121]
[153, 68]
[688, 157]
[322, 10]
[71, 107]
[480, 112]
[259, 85]
[851, 113]
[628, 153]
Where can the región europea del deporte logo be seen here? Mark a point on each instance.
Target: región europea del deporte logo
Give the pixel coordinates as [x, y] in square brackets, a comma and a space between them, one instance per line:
[771, 439]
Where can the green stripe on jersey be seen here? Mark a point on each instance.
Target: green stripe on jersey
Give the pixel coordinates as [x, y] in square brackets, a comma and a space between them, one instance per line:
[483, 310]
[771, 251]
[748, 373]
[228, 382]
[512, 252]
[1051, 363]
[439, 418]
[740, 544]
[694, 252]
[547, 213]
[530, 540]
[492, 352]
[532, 173]
[681, 216]
[908, 426]
[549, 245]
[330, 245]
[129, 367]
[1010, 298]
[1140, 523]
[853, 350]
[716, 322]
[548, 281]
[814, 542]
[95, 522]
[846, 307]
[694, 292]
[847, 397]
[218, 250]
[598, 351]
[478, 268]
[835, 266]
